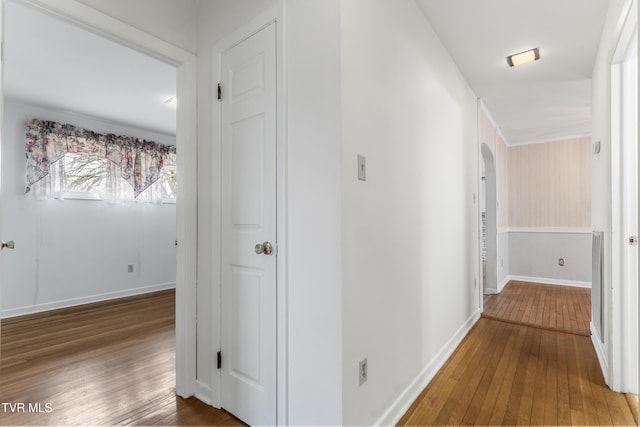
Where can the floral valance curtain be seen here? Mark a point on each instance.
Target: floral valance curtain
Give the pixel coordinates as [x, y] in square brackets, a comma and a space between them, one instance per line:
[140, 162]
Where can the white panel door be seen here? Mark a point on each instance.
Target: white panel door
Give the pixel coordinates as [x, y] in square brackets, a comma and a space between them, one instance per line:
[248, 300]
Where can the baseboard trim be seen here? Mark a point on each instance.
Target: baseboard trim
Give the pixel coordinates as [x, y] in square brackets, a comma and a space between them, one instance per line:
[203, 392]
[550, 230]
[548, 281]
[601, 352]
[502, 284]
[404, 401]
[38, 308]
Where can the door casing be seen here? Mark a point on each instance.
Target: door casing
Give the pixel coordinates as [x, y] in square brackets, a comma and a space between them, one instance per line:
[621, 321]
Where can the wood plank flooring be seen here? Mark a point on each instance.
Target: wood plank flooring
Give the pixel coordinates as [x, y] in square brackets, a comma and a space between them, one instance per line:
[558, 308]
[113, 363]
[110, 363]
[508, 374]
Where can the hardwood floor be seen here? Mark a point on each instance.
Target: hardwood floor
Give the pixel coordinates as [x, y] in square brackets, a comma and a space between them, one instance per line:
[558, 308]
[509, 374]
[113, 363]
[109, 363]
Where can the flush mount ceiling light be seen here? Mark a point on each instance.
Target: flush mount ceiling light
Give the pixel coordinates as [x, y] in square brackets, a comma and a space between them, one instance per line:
[172, 102]
[523, 57]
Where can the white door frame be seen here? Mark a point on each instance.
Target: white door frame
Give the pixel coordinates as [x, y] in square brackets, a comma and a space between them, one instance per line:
[273, 15]
[620, 307]
[186, 144]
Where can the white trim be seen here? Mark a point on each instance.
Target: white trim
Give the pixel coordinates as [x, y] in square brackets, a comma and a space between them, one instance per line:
[186, 229]
[625, 28]
[601, 352]
[501, 135]
[404, 401]
[550, 140]
[549, 281]
[186, 210]
[480, 276]
[503, 230]
[617, 320]
[55, 305]
[274, 14]
[203, 392]
[502, 284]
[560, 230]
[497, 129]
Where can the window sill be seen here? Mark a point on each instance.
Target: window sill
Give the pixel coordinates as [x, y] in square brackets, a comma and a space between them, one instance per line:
[70, 195]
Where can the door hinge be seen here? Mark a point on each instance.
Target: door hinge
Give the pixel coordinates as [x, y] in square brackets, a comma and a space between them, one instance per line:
[219, 360]
[219, 92]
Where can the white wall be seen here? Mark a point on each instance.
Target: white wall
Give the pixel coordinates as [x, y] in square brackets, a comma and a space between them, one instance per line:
[171, 20]
[315, 255]
[410, 236]
[76, 251]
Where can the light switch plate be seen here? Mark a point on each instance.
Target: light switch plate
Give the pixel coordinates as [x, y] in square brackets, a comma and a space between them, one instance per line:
[362, 168]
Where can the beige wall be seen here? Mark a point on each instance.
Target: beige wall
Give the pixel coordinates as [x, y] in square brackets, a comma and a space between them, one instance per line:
[550, 184]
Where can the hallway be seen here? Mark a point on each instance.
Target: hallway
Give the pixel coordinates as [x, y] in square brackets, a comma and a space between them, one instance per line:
[505, 373]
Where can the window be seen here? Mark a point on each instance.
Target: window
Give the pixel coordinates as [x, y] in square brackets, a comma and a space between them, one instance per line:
[84, 175]
[68, 162]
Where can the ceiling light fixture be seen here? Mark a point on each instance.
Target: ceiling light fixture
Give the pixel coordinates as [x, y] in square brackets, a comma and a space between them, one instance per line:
[523, 57]
[172, 102]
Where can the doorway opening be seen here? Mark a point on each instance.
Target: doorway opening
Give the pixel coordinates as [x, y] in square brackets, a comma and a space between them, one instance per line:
[82, 237]
[181, 220]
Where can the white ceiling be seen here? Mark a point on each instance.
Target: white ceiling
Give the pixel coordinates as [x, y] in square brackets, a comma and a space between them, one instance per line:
[55, 64]
[541, 101]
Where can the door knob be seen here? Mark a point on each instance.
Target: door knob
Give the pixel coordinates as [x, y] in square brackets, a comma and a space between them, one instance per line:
[265, 248]
[9, 245]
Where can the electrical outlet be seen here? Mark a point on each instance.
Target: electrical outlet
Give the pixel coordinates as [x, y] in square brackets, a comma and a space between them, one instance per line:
[130, 268]
[561, 262]
[362, 371]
